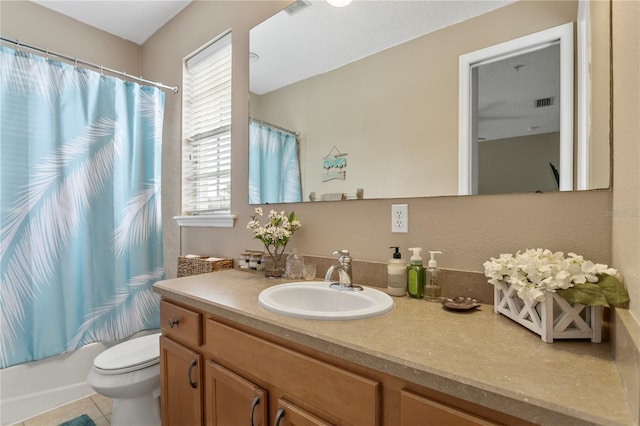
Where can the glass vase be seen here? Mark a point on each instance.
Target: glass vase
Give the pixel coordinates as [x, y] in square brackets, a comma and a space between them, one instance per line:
[273, 266]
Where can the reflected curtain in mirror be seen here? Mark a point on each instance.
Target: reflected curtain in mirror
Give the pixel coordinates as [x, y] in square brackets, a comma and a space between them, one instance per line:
[274, 166]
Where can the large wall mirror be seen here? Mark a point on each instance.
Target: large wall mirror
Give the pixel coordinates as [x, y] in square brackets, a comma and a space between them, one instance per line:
[363, 101]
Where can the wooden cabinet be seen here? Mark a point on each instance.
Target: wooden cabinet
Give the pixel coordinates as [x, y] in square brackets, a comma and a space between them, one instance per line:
[289, 414]
[180, 384]
[231, 399]
[180, 365]
[418, 410]
[226, 376]
[328, 392]
[181, 324]
[219, 373]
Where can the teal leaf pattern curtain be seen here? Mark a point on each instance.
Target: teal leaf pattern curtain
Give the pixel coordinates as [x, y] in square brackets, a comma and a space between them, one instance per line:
[274, 166]
[80, 222]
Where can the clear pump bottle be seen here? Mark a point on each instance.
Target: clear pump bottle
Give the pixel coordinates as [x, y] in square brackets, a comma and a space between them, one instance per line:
[433, 291]
[294, 267]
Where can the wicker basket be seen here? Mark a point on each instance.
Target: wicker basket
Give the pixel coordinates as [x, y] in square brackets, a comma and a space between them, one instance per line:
[201, 265]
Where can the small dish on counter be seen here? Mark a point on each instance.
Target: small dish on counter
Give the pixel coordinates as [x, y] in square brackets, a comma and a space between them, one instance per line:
[460, 303]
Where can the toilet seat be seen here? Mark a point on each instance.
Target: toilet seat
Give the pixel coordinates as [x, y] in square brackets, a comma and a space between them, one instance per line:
[132, 355]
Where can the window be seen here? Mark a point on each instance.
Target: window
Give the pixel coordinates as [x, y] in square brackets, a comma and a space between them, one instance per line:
[206, 130]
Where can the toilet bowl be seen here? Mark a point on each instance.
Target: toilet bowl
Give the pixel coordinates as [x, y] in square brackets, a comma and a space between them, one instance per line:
[129, 374]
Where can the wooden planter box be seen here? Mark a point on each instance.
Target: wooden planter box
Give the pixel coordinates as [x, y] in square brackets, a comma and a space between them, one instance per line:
[555, 318]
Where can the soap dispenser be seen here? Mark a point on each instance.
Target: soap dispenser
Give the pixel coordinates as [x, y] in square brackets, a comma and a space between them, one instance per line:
[396, 274]
[416, 275]
[433, 291]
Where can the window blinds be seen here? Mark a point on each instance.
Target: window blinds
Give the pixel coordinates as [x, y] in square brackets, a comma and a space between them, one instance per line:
[206, 129]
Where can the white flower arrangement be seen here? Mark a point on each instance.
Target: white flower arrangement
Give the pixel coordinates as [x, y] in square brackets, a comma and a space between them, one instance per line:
[537, 271]
[275, 234]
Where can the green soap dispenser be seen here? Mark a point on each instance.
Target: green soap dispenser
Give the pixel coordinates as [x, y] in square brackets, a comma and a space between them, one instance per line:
[416, 276]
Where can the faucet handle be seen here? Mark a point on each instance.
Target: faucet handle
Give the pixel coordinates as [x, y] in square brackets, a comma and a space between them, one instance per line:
[343, 257]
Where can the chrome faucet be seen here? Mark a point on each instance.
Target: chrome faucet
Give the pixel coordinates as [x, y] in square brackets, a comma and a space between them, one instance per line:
[344, 272]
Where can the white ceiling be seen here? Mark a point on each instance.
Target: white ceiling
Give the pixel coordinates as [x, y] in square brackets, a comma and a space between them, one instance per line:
[327, 37]
[508, 89]
[133, 20]
[359, 30]
[321, 38]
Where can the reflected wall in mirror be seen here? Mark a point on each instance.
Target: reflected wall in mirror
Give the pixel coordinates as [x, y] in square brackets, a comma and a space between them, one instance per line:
[395, 111]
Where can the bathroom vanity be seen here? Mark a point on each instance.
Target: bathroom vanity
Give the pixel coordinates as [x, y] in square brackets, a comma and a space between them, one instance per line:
[226, 360]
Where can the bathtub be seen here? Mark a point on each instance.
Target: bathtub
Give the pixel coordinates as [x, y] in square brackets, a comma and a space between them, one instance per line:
[27, 390]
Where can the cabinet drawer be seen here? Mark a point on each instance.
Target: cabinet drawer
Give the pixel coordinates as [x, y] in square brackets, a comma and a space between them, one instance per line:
[180, 323]
[416, 409]
[351, 398]
[291, 415]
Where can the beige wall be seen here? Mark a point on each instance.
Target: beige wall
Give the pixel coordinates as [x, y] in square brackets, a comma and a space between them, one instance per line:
[468, 229]
[36, 25]
[501, 169]
[626, 191]
[396, 112]
[600, 96]
[196, 25]
[626, 126]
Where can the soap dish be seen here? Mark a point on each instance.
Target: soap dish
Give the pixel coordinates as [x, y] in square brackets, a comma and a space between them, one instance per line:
[460, 303]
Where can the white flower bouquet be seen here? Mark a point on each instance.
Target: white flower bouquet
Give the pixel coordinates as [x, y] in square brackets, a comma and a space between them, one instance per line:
[535, 272]
[275, 235]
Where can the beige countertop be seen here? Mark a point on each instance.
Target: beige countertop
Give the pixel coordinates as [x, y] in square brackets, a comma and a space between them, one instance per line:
[476, 356]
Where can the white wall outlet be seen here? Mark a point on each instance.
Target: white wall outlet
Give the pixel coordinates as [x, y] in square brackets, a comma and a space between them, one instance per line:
[400, 218]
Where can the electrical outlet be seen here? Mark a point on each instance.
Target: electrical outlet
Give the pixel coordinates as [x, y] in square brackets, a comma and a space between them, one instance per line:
[400, 218]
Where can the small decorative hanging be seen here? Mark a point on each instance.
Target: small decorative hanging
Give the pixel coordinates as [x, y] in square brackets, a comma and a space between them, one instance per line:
[334, 165]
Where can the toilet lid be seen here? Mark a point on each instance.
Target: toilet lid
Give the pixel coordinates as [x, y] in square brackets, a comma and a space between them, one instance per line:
[132, 355]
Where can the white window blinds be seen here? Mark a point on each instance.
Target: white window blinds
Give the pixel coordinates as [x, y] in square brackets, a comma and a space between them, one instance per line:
[206, 130]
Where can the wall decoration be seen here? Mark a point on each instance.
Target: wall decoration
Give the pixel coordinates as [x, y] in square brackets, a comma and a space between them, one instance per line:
[334, 165]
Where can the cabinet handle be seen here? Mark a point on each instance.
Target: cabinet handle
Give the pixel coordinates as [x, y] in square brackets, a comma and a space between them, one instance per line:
[192, 364]
[173, 323]
[279, 416]
[255, 401]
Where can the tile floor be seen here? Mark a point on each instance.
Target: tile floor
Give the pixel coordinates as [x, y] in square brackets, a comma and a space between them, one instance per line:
[95, 406]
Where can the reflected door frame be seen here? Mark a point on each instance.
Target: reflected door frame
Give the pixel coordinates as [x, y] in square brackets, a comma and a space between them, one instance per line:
[467, 151]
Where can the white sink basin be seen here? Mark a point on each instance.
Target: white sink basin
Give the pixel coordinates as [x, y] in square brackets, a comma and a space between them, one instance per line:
[316, 300]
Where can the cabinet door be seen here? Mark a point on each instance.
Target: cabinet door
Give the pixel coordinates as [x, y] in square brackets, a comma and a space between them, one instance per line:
[232, 400]
[418, 410]
[181, 384]
[344, 397]
[289, 414]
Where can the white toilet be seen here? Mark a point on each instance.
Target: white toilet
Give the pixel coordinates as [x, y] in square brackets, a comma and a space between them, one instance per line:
[129, 374]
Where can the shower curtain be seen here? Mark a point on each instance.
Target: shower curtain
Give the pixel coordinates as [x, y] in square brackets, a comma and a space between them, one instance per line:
[274, 168]
[80, 240]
